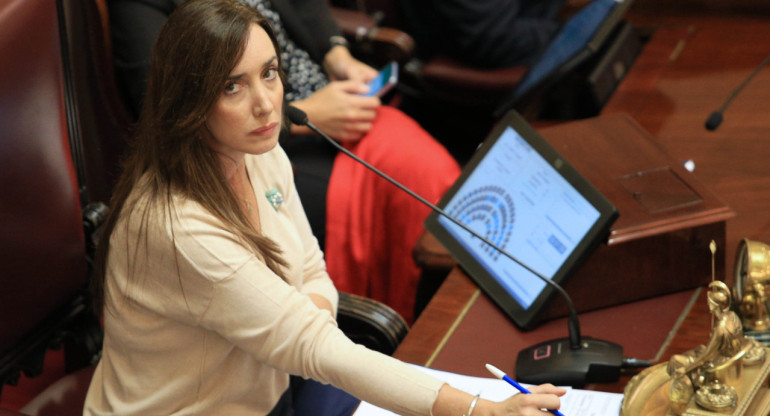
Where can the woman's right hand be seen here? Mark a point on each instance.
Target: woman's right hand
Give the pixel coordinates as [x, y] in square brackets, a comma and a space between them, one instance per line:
[544, 396]
[340, 110]
[453, 402]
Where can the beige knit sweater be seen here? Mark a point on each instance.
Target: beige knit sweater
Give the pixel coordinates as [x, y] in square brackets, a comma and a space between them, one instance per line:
[196, 324]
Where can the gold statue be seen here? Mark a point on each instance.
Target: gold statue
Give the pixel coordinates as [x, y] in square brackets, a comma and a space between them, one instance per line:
[729, 375]
[711, 372]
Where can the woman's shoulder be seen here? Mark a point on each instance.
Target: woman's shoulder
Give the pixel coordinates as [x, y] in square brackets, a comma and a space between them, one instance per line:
[175, 223]
[155, 211]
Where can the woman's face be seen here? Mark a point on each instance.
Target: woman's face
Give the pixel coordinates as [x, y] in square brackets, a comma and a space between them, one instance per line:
[246, 117]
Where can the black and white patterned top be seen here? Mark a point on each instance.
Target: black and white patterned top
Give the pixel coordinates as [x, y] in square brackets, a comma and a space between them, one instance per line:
[302, 74]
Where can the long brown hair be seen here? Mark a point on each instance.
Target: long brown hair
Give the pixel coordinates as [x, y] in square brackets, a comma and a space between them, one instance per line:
[197, 48]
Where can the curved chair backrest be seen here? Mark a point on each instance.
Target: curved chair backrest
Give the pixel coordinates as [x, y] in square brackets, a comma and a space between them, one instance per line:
[42, 243]
[371, 323]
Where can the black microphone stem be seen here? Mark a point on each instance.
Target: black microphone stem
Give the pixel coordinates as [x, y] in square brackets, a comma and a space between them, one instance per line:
[715, 118]
[743, 84]
[573, 322]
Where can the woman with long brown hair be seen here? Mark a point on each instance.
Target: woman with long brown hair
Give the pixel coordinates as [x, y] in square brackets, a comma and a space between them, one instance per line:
[366, 227]
[214, 288]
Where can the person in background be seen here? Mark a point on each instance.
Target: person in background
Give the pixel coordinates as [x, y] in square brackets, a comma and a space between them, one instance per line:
[482, 33]
[366, 226]
[214, 290]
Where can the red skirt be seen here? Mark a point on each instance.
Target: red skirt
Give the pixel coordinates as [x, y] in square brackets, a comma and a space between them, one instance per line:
[371, 225]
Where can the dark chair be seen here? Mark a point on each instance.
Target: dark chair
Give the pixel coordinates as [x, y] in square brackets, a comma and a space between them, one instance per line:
[441, 78]
[371, 323]
[62, 132]
[371, 42]
[44, 301]
[459, 104]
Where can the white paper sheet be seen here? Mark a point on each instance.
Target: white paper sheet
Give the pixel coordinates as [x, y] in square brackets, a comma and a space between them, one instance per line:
[575, 402]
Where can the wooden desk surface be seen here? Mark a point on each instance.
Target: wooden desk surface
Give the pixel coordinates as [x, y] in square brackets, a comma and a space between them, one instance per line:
[432, 332]
[686, 71]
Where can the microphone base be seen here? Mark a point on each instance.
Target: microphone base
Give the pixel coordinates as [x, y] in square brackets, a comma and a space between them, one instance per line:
[556, 363]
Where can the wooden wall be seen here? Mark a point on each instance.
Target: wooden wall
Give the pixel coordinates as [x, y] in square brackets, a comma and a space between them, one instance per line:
[703, 6]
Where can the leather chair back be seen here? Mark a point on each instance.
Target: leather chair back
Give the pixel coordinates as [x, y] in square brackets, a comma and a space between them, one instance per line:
[42, 246]
[47, 133]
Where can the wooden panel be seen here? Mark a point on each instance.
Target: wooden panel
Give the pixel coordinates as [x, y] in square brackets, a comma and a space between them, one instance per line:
[686, 71]
[695, 6]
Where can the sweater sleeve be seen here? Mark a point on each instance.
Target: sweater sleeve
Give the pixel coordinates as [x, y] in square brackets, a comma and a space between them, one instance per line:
[258, 312]
[286, 331]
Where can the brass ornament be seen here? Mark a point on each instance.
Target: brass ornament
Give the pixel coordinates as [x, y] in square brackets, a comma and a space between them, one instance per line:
[726, 376]
[752, 276]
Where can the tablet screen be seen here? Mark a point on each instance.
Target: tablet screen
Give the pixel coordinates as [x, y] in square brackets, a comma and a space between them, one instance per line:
[520, 195]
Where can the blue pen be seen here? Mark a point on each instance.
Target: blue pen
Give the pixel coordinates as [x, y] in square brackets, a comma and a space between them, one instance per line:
[501, 375]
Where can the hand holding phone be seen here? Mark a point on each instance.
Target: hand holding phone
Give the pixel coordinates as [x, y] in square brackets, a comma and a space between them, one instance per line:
[385, 80]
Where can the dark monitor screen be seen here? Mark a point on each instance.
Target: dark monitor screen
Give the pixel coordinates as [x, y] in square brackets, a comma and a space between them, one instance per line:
[521, 195]
[581, 36]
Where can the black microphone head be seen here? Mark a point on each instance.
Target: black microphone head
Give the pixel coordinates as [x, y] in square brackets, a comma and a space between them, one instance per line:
[296, 115]
[714, 120]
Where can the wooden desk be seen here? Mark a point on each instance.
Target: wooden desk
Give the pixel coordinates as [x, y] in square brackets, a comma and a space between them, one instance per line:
[685, 72]
[441, 325]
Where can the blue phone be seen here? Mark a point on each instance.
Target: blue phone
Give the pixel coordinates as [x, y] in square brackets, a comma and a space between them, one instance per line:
[385, 80]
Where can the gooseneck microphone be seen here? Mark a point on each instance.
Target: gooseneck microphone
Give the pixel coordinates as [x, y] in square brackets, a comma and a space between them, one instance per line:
[299, 118]
[715, 119]
[584, 360]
